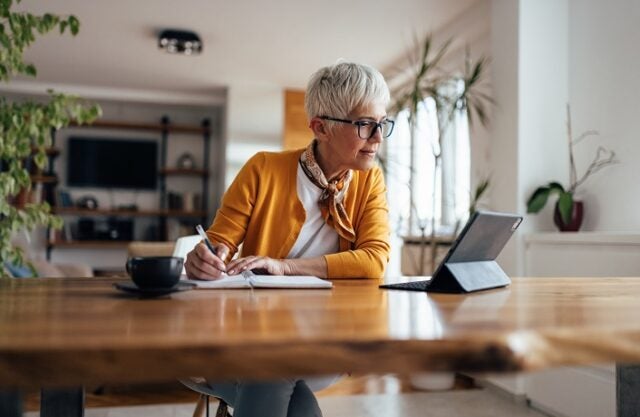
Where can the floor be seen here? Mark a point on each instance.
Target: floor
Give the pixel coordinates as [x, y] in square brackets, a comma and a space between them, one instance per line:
[372, 396]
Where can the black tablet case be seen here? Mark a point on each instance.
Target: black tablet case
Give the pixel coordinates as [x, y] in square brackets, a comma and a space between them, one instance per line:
[470, 263]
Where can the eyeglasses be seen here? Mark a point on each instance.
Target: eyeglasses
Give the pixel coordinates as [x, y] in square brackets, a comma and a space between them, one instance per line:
[367, 128]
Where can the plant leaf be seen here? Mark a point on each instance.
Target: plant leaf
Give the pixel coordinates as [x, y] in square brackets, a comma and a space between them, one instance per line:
[565, 206]
[538, 199]
[557, 187]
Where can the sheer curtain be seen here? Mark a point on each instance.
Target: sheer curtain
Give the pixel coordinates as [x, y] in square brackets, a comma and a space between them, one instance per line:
[411, 168]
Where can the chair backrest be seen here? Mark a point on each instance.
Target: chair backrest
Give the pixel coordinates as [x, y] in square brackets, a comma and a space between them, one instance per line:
[140, 248]
[185, 245]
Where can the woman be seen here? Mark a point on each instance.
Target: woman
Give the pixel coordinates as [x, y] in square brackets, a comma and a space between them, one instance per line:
[317, 211]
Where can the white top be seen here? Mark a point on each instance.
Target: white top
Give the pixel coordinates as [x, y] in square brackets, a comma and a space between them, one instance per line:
[316, 238]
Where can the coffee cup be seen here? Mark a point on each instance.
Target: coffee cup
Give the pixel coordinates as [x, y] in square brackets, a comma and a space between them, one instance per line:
[155, 271]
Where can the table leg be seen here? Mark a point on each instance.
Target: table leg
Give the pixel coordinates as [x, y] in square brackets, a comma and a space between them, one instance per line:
[67, 402]
[628, 390]
[10, 403]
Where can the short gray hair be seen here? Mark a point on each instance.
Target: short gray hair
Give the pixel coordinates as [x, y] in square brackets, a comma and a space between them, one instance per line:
[339, 89]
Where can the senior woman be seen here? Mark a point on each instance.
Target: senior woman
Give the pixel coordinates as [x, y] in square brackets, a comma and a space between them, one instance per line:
[317, 211]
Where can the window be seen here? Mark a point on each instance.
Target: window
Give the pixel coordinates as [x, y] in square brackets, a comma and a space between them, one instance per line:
[418, 190]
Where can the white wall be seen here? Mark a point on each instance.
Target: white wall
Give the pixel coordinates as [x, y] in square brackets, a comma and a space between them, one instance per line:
[526, 36]
[604, 65]
[544, 92]
[546, 53]
[530, 79]
[582, 52]
[504, 145]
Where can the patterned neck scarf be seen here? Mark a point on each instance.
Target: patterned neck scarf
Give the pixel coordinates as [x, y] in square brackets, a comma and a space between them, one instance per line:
[332, 196]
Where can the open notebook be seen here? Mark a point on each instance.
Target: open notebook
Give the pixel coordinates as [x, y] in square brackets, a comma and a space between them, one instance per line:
[248, 279]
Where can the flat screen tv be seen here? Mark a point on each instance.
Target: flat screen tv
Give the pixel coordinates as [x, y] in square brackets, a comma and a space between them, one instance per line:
[112, 163]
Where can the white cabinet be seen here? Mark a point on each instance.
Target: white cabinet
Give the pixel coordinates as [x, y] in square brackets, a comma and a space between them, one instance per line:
[583, 391]
[586, 254]
[587, 391]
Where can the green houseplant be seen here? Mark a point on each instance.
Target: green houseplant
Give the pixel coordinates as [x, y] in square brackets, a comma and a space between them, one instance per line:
[26, 126]
[568, 212]
[430, 79]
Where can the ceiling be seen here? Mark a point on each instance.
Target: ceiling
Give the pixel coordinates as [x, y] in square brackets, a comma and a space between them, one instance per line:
[278, 42]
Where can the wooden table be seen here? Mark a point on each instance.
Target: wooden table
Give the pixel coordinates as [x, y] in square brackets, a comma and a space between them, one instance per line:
[69, 332]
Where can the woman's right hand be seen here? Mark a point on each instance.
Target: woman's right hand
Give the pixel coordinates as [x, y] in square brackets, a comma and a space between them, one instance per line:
[202, 264]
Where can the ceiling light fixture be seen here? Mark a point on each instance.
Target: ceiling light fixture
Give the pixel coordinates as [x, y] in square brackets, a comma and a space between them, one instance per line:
[180, 42]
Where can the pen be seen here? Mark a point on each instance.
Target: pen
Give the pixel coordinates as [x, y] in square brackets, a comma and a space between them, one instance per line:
[207, 242]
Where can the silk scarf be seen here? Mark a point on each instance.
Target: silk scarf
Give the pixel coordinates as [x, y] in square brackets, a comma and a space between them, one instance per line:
[331, 200]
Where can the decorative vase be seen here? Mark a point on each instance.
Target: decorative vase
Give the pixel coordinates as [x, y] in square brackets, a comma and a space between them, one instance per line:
[577, 211]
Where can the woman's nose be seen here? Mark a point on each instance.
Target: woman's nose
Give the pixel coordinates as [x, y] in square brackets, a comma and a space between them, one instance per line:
[377, 134]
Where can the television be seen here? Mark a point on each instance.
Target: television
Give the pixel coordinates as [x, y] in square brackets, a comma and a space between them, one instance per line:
[112, 163]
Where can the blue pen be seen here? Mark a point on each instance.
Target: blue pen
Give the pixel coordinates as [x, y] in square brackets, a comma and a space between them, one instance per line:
[207, 242]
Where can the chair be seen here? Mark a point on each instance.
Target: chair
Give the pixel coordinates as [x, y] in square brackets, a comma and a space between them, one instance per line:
[180, 249]
[183, 246]
[200, 386]
[141, 248]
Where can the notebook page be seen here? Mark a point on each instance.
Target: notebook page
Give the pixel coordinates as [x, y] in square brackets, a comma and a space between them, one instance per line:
[228, 281]
[288, 281]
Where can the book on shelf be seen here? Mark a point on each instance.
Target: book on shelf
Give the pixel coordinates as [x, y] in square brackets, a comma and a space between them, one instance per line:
[63, 199]
[60, 235]
[67, 235]
[248, 279]
[186, 201]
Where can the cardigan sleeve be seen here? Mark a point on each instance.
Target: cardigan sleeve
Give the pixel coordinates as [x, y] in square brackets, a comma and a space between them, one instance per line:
[232, 219]
[370, 253]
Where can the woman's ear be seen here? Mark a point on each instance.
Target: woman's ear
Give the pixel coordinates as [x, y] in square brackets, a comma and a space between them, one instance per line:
[319, 128]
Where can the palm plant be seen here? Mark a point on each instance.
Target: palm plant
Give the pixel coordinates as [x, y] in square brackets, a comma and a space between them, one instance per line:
[430, 80]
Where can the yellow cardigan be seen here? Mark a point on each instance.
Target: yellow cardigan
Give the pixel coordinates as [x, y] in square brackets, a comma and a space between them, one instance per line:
[261, 208]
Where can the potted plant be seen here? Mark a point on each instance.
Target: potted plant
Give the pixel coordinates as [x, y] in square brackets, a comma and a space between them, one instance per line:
[568, 211]
[25, 127]
[429, 79]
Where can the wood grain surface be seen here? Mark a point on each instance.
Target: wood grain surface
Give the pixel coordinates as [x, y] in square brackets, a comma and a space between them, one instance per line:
[70, 331]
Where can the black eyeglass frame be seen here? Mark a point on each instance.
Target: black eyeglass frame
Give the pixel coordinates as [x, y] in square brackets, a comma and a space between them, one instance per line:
[361, 123]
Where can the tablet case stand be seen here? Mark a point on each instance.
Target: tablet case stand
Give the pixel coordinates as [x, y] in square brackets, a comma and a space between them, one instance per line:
[463, 277]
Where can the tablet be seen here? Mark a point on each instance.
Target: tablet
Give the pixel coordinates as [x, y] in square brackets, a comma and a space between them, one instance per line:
[470, 264]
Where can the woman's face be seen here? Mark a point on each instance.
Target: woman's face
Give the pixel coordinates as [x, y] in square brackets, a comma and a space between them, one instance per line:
[345, 149]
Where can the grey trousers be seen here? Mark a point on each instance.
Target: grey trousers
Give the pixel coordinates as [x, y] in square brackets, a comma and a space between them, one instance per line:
[279, 398]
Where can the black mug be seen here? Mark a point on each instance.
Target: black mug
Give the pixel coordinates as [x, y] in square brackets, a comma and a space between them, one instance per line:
[155, 271]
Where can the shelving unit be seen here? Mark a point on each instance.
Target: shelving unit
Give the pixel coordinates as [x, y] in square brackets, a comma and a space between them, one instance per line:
[167, 171]
[163, 213]
[75, 211]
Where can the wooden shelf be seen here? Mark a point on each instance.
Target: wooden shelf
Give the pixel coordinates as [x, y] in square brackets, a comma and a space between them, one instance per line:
[184, 172]
[155, 127]
[47, 151]
[182, 213]
[45, 179]
[75, 211]
[90, 244]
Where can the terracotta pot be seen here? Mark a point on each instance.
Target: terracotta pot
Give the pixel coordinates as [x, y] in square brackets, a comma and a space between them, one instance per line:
[574, 224]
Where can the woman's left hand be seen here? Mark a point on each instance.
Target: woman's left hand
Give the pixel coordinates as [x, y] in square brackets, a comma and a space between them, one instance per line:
[270, 265]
